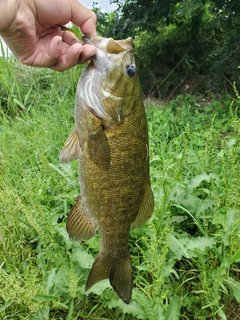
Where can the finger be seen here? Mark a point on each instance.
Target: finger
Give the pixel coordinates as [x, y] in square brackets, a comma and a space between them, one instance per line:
[69, 38]
[75, 54]
[87, 53]
[85, 18]
[50, 57]
[55, 49]
[46, 53]
[69, 59]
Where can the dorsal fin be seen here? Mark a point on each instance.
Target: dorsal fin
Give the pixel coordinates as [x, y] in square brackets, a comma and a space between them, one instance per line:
[71, 149]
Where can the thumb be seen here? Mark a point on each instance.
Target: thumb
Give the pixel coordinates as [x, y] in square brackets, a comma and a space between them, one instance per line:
[83, 17]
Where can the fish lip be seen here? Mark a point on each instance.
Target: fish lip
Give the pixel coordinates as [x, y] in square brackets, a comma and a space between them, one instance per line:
[86, 38]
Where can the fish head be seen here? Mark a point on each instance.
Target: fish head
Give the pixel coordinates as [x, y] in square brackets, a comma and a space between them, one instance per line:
[111, 54]
[114, 78]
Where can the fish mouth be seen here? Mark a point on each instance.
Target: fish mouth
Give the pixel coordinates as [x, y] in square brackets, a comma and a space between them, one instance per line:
[86, 38]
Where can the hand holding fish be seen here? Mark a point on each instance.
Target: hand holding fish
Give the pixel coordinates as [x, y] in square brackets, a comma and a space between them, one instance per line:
[31, 31]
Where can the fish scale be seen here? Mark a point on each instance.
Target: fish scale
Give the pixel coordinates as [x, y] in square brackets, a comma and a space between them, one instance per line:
[112, 148]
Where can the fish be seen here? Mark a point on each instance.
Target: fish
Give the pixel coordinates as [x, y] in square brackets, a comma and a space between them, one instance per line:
[110, 140]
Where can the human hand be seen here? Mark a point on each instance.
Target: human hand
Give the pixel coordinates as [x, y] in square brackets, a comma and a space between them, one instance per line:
[31, 30]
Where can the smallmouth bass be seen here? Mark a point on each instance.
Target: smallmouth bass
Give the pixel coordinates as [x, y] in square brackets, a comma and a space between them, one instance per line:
[111, 142]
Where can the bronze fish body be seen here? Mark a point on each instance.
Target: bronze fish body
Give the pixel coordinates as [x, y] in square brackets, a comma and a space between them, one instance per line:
[111, 143]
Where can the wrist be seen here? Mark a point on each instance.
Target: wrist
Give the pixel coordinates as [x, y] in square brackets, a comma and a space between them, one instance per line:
[8, 11]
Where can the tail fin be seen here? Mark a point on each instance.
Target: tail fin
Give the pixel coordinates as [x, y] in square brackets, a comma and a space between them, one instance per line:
[119, 272]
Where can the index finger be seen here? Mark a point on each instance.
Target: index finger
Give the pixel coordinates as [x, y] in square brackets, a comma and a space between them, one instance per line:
[84, 18]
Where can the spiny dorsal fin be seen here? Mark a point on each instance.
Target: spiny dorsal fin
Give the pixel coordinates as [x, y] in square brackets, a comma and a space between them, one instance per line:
[146, 208]
[71, 149]
[79, 225]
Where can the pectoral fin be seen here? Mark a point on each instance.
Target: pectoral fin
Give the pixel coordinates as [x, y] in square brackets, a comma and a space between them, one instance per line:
[146, 208]
[71, 149]
[98, 147]
[79, 225]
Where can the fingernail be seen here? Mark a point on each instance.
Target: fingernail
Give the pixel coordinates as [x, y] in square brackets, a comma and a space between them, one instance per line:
[59, 44]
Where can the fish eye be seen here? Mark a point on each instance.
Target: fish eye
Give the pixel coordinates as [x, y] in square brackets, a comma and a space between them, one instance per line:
[131, 70]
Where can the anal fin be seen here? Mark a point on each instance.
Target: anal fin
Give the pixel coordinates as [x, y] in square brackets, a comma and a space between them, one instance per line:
[146, 208]
[79, 225]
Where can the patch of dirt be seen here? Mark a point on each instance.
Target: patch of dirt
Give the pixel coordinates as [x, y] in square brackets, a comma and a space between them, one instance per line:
[232, 311]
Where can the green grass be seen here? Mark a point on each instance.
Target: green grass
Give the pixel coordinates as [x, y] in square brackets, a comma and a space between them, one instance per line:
[186, 258]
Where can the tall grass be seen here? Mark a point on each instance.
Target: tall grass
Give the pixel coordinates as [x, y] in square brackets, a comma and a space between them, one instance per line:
[186, 258]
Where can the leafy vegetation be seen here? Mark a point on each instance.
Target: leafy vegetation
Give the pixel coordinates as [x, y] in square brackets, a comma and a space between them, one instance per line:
[181, 46]
[186, 258]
